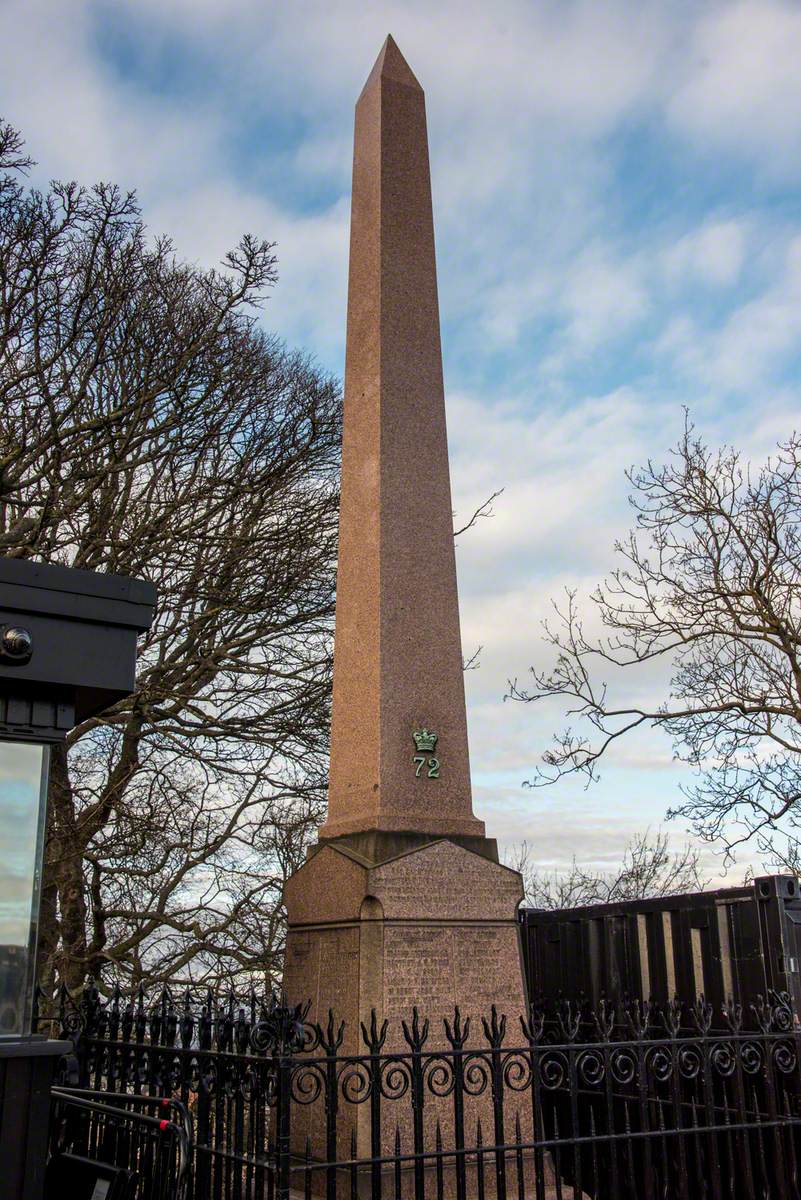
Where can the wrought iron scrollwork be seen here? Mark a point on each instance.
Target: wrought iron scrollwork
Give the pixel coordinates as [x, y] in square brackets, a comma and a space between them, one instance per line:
[517, 1071]
[477, 1069]
[246, 1062]
[394, 1077]
[439, 1075]
[283, 1028]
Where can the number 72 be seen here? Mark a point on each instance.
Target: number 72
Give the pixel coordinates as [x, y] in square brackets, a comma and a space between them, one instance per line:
[420, 761]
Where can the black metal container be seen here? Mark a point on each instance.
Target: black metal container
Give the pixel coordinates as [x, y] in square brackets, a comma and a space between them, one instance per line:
[734, 942]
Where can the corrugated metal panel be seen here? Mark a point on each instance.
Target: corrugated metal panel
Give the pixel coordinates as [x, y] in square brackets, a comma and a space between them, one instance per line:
[734, 942]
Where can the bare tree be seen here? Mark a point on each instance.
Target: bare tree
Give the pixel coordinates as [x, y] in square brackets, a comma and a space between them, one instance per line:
[151, 427]
[710, 582]
[648, 868]
[483, 512]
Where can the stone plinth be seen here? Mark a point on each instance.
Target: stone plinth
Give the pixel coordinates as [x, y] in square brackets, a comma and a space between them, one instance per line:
[434, 927]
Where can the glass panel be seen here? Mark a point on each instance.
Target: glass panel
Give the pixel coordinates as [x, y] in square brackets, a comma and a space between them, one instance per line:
[23, 784]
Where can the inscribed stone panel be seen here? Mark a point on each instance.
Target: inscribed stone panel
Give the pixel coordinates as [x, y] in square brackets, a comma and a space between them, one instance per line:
[446, 882]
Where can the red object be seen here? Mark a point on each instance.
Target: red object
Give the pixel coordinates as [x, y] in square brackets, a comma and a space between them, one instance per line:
[164, 1125]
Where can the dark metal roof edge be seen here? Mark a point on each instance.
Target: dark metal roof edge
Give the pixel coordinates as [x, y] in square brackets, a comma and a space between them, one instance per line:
[26, 572]
[116, 598]
[646, 904]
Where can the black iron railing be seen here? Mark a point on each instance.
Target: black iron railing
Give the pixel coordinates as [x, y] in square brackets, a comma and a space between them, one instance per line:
[656, 1104]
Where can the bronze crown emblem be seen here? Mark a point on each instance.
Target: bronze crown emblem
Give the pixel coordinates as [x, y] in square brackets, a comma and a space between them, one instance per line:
[425, 740]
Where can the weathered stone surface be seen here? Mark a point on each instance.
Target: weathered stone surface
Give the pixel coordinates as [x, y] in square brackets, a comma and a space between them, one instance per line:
[328, 887]
[377, 845]
[432, 928]
[397, 657]
[444, 881]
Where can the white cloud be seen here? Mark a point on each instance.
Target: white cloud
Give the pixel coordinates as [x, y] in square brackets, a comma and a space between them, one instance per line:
[603, 298]
[751, 348]
[553, 528]
[309, 301]
[713, 254]
[741, 87]
[557, 465]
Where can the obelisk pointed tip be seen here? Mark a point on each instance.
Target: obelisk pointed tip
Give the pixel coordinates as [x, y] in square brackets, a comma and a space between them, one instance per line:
[391, 64]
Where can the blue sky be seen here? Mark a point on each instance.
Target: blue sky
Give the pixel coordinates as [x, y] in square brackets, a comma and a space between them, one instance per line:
[616, 193]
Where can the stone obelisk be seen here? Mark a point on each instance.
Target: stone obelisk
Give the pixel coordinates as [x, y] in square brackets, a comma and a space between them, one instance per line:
[403, 901]
[397, 652]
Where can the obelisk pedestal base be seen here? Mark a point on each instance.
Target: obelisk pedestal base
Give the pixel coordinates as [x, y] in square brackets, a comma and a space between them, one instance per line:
[433, 928]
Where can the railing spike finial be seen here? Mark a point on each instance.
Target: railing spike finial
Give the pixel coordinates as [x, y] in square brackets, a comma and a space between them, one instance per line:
[671, 1016]
[457, 1033]
[495, 1028]
[374, 1037]
[330, 1038]
[604, 1019]
[639, 1015]
[416, 1036]
[702, 1014]
[533, 1025]
[569, 1020]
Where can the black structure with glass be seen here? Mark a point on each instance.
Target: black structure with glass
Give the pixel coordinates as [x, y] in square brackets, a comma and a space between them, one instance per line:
[67, 652]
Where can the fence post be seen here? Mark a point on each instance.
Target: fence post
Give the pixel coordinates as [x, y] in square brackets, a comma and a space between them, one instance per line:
[282, 1141]
[330, 1043]
[374, 1039]
[494, 1032]
[533, 1029]
[416, 1037]
[457, 1034]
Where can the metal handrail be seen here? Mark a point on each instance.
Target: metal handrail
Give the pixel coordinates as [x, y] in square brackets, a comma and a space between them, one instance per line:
[134, 1097]
[76, 1097]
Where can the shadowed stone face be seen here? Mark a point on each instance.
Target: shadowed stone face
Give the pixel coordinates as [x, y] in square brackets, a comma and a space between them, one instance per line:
[397, 662]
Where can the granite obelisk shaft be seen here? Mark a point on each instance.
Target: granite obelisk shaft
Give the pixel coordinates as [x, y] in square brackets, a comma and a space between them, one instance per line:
[397, 656]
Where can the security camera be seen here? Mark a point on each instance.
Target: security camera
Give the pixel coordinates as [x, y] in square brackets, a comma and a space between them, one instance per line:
[16, 644]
